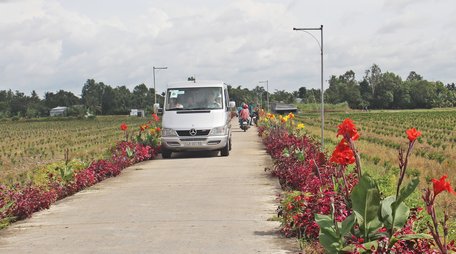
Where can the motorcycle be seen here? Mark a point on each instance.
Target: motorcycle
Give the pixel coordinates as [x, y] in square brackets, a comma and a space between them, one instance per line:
[245, 125]
[255, 119]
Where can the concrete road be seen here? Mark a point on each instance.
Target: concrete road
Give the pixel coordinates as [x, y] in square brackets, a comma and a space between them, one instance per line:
[192, 203]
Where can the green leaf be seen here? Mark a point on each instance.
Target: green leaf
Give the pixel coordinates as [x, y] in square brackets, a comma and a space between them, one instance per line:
[401, 214]
[415, 236]
[394, 239]
[366, 204]
[285, 152]
[325, 222]
[351, 248]
[347, 225]
[328, 236]
[6, 206]
[405, 192]
[370, 245]
[300, 155]
[129, 152]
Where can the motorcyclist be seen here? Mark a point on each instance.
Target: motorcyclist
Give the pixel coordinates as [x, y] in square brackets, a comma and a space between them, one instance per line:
[244, 114]
[254, 116]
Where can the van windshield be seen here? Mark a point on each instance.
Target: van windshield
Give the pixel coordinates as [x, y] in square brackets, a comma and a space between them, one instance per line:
[194, 98]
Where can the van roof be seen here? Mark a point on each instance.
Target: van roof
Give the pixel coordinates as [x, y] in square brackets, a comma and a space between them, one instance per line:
[216, 83]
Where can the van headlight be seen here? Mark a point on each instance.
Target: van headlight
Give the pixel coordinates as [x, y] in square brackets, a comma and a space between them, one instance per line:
[167, 132]
[218, 131]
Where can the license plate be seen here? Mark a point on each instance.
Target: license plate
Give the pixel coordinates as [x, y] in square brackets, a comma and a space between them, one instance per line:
[193, 143]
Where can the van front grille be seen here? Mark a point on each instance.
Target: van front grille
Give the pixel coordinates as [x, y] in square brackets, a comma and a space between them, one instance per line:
[184, 133]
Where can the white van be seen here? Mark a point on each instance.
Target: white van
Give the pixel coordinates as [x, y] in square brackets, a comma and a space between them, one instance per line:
[196, 117]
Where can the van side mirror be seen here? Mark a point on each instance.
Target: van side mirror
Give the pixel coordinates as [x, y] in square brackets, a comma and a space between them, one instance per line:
[232, 104]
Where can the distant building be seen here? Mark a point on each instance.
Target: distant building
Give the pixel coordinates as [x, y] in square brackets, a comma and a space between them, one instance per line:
[58, 111]
[282, 108]
[137, 112]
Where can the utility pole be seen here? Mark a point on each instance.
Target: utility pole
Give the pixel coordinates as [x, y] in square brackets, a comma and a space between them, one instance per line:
[322, 90]
[267, 92]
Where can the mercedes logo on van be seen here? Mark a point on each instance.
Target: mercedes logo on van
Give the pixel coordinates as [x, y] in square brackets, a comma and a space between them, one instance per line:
[192, 132]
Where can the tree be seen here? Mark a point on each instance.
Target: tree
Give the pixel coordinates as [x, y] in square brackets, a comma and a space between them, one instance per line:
[140, 97]
[259, 95]
[18, 104]
[107, 101]
[61, 98]
[92, 94]
[366, 94]
[313, 96]
[373, 76]
[302, 92]
[241, 95]
[344, 89]
[35, 106]
[122, 100]
[5, 103]
[383, 96]
[413, 76]
[283, 96]
[422, 93]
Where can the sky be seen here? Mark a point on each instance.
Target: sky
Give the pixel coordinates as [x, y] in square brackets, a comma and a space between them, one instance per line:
[48, 45]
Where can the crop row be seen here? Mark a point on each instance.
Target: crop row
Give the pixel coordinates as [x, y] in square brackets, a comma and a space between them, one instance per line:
[28, 144]
[384, 130]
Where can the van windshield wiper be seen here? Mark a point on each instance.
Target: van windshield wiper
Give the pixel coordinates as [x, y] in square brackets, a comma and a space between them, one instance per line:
[200, 108]
[175, 109]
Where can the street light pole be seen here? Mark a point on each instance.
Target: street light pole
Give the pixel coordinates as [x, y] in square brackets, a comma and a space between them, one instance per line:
[155, 91]
[322, 91]
[267, 92]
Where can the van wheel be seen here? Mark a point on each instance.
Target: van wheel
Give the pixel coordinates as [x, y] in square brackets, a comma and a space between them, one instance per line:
[166, 154]
[226, 150]
[230, 145]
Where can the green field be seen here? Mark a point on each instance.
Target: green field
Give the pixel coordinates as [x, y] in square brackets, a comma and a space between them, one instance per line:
[28, 144]
[383, 133]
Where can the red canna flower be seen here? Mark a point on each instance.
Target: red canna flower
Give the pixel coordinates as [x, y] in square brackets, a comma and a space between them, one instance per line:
[158, 129]
[155, 117]
[412, 134]
[123, 126]
[348, 128]
[343, 155]
[442, 185]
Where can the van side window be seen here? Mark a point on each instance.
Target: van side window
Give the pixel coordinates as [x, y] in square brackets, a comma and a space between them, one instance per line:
[227, 99]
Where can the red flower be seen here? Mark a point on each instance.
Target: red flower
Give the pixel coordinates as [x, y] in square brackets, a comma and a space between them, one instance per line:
[123, 126]
[155, 117]
[442, 185]
[343, 154]
[412, 134]
[158, 129]
[348, 128]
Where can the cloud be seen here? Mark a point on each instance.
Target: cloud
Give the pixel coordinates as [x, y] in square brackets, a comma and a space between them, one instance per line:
[53, 44]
